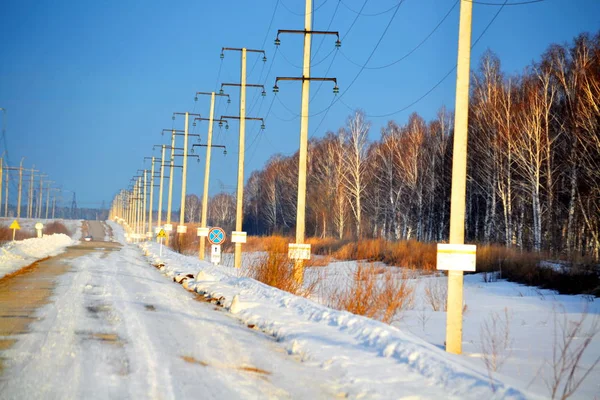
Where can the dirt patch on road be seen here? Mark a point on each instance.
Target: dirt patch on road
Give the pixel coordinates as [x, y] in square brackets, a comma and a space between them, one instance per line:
[245, 368]
[21, 294]
[24, 291]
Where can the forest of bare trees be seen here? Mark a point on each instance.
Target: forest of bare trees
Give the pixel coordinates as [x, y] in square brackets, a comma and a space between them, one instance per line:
[533, 172]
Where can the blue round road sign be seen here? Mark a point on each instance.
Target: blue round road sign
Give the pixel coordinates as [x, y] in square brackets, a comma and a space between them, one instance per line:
[216, 235]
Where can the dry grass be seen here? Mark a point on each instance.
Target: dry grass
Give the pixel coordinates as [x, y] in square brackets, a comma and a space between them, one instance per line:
[186, 243]
[56, 227]
[436, 293]
[6, 234]
[575, 276]
[375, 293]
[275, 268]
[409, 254]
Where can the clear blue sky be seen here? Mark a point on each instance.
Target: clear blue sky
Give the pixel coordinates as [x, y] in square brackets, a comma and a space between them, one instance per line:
[89, 85]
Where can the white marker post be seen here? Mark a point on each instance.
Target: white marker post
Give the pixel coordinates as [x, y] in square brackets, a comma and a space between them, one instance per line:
[215, 254]
[38, 227]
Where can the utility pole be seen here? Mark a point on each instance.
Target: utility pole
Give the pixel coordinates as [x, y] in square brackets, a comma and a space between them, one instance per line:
[145, 205]
[20, 188]
[6, 198]
[201, 251]
[160, 190]
[168, 226]
[459, 179]
[48, 198]
[300, 251]
[181, 228]
[38, 210]
[30, 196]
[1, 178]
[242, 140]
[149, 233]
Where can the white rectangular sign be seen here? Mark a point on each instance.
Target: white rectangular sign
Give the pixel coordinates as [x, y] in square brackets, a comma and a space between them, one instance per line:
[168, 227]
[215, 254]
[202, 232]
[181, 229]
[238, 237]
[299, 251]
[456, 257]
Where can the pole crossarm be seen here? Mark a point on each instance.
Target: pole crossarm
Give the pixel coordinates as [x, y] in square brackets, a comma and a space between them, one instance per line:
[249, 118]
[256, 85]
[208, 119]
[305, 32]
[173, 131]
[211, 146]
[240, 49]
[184, 113]
[336, 89]
[215, 93]
[253, 85]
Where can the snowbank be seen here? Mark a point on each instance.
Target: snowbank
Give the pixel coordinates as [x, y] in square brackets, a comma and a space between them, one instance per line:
[380, 359]
[19, 254]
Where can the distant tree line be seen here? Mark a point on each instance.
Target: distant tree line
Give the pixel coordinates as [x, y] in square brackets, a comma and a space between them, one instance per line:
[533, 166]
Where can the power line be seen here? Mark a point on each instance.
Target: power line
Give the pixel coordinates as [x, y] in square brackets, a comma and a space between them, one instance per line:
[520, 3]
[412, 50]
[441, 80]
[303, 14]
[370, 15]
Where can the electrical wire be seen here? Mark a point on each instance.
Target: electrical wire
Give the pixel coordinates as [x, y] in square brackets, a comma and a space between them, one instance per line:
[360, 13]
[303, 14]
[439, 82]
[520, 3]
[412, 50]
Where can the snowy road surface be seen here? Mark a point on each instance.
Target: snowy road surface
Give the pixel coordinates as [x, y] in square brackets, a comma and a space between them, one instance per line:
[117, 328]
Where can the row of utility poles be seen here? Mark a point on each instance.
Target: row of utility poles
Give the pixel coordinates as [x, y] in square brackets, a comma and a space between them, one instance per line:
[37, 192]
[129, 206]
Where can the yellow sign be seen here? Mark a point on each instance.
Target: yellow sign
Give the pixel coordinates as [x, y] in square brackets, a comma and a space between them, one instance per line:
[14, 225]
[162, 234]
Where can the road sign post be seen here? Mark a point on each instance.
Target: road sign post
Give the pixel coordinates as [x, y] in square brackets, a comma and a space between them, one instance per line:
[161, 235]
[216, 237]
[14, 226]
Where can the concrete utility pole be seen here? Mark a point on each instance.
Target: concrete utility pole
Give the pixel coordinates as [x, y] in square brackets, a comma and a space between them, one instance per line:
[242, 140]
[1, 178]
[143, 232]
[201, 251]
[48, 197]
[459, 178]
[6, 190]
[300, 251]
[160, 190]
[181, 228]
[168, 226]
[149, 233]
[20, 187]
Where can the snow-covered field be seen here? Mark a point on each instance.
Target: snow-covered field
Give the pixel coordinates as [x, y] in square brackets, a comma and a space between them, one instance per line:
[515, 328]
[21, 253]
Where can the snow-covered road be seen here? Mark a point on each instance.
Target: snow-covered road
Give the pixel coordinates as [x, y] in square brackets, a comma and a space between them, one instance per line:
[117, 328]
